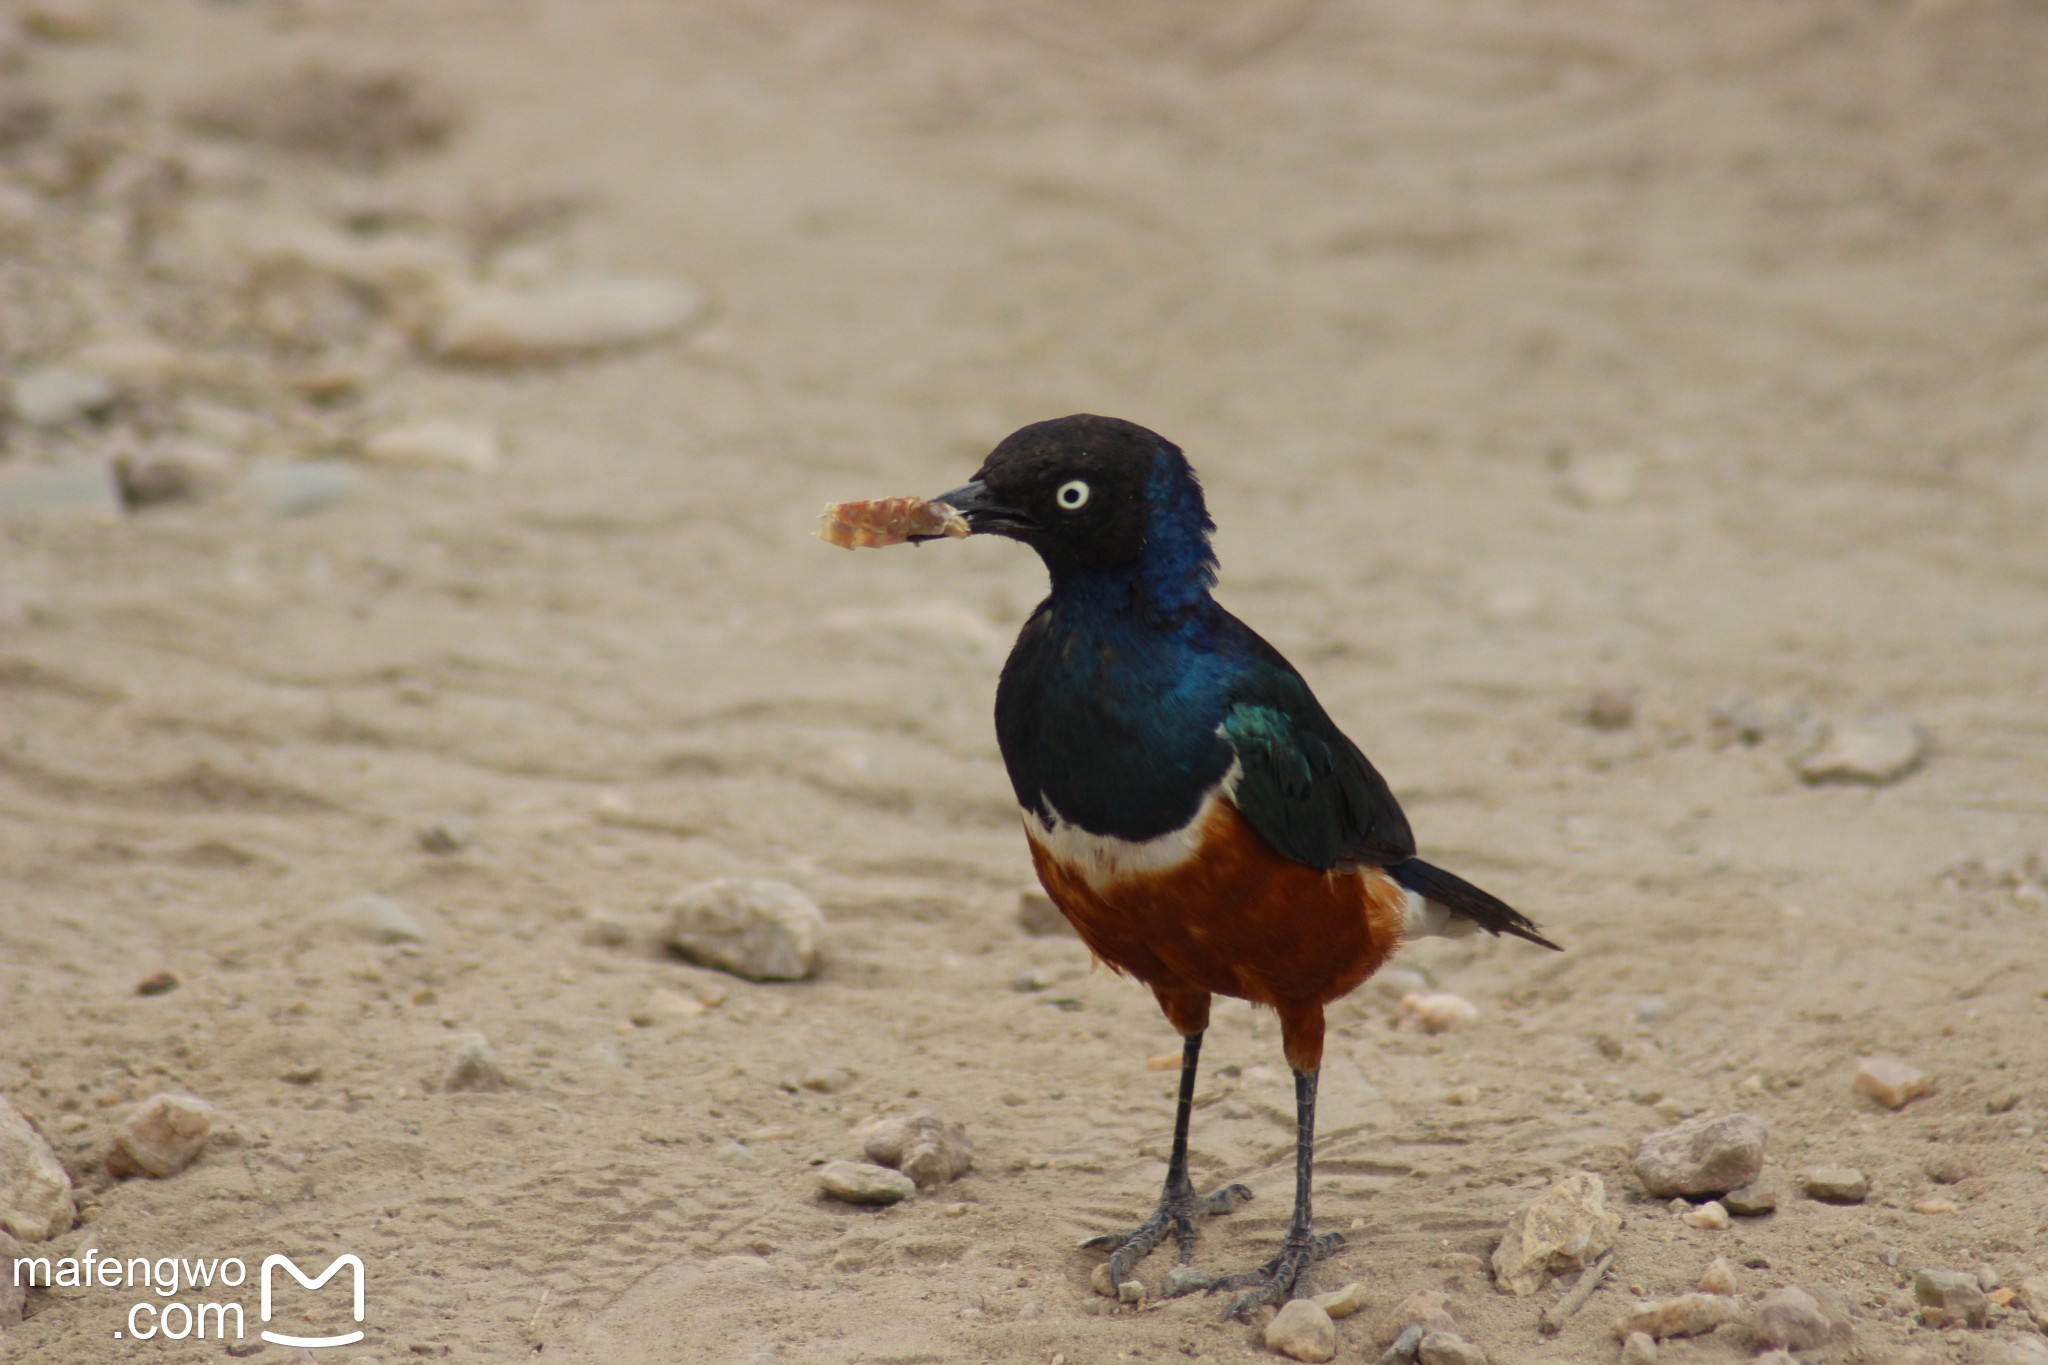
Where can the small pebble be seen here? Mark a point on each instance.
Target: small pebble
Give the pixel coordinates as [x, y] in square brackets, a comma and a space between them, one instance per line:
[1131, 1291]
[923, 1146]
[1404, 1346]
[1424, 1311]
[436, 441]
[1950, 1297]
[2034, 1294]
[1301, 1330]
[1027, 982]
[1163, 1061]
[1988, 1278]
[1935, 1206]
[1718, 1277]
[499, 326]
[1339, 1303]
[304, 1074]
[164, 1135]
[762, 930]
[1436, 1013]
[443, 837]
[826, 1080]
[1710, 1216]
[1565, 1228]
[1610, 708]
[1709, 1155]
[1639, 1349]
[1836, 1185]
[1185, 1279]
[663, 1004]
[474, 1067]
[1946, 1168]
[57, 395]
[1685, 1316]
[1873, 751]
[1790, 1318]
[379, 919]
[35, 1190]
[1448, 1348]
[1891, 1082]
[859, 1182]
[159, 983]
[1752, 1200]
[297, 488]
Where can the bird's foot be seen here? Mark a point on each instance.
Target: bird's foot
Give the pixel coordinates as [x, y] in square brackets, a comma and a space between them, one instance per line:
[1284, 1277]
[1177, 1211]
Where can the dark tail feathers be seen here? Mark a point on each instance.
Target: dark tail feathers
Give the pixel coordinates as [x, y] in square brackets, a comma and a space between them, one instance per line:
[1489, 912]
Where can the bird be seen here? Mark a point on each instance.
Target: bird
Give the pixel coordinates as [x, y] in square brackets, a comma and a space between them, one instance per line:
[1190, 806]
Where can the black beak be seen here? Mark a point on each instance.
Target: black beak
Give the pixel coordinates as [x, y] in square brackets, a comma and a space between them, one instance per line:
[985, 515]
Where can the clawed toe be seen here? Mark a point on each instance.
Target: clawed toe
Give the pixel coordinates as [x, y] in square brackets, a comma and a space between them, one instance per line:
[1176, 1213]
[1282, 1278]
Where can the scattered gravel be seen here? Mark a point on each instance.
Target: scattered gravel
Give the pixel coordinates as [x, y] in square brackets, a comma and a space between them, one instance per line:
[861, 1182]
[1707, 1155]
[162, 1136]
[758, 929]
[1567, 1227]
[35, 1190]
[1302, 1330]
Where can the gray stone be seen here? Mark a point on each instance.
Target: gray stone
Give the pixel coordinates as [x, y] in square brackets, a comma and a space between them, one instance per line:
[1873, 751]
[1402, 1349]
[1792, 1319]
[923, 1146]
[56, 395]
[474, 1067]
[1709, 1155]
[1185, 1279]
[444, 837]
[859, 1182]
[1639, 1349]
[1448, 1348]
[165, 1134]
[758, 929]
[1301, 1330]
[1950, 1297]
[35, 1189]
[1836, 1185]
[1752, 1200]
[1566, 1227]
[379, 919]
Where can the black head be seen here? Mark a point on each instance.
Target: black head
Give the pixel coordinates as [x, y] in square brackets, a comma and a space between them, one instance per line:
[1092, 495]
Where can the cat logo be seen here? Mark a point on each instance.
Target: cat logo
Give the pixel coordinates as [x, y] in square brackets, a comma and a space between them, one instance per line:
[354, 1263]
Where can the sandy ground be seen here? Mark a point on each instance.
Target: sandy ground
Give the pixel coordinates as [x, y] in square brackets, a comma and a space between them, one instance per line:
[1525, 351]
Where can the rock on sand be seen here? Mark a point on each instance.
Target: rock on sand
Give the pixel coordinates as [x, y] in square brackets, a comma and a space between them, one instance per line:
[164, 1135]
[35, 1190]
[1567, 1227]
[861, 1182]
[1706, 1155]
[758, 929]
[1301, 1330]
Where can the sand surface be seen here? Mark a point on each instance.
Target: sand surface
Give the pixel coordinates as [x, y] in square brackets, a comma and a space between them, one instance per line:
[1525, 350]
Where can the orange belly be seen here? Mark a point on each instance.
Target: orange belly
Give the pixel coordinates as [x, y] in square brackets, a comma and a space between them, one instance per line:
[1234, 918]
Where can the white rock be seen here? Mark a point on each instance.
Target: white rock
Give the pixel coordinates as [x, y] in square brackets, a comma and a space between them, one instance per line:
[35, 1190]
[1301, 1330]
[474, 1067]
[164, 1135]
[56, 395]
[1436, 1013]
[859, 1182]
[436, 440]
[498, 326]
[923, 1146]
[1710, 1217]
[1875, 750]
[1567, 1227]
[758, 929]
[379, 919]
[1342, 1303]
[1890, 1081]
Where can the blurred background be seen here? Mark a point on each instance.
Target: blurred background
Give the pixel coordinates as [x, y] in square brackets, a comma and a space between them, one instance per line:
[1632, 418]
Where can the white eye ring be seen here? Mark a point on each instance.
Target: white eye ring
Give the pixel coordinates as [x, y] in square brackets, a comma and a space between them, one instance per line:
[1073, 495]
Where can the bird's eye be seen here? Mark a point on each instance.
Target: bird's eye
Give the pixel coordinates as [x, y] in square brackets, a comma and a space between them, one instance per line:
[1073, 495]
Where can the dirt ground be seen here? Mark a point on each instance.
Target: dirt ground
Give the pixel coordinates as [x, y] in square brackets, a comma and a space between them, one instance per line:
[1526, 351]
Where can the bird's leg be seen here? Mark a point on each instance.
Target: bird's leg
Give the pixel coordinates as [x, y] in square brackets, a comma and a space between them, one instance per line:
[1286, 1275]
[1179, 1205]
